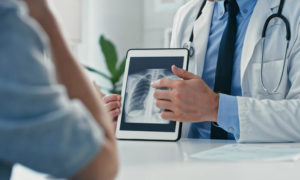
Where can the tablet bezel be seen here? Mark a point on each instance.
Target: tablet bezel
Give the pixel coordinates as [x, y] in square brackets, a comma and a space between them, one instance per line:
[150, 135]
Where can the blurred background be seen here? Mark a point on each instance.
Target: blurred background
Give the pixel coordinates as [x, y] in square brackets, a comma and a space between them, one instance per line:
[125, 23]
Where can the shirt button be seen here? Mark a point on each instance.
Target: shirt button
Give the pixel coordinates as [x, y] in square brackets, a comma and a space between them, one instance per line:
[245, 11]
[231, 129]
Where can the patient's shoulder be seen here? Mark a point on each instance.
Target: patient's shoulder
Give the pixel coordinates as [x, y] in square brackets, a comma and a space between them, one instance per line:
[23, 47]
[16, 24]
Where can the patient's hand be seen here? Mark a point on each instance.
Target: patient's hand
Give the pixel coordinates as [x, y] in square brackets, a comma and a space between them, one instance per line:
[112, 104]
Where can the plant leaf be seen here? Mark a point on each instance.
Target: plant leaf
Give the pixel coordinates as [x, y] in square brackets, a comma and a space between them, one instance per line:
[119, 72]
[110, 54]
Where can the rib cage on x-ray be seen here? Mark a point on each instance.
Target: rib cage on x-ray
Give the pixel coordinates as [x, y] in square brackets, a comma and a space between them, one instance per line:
[140, 103]
[140, 93]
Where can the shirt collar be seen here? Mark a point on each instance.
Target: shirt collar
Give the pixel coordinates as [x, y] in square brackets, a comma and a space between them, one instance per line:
[246, 7]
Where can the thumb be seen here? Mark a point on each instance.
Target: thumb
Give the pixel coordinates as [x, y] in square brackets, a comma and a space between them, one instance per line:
[98, 90]
[183, 74]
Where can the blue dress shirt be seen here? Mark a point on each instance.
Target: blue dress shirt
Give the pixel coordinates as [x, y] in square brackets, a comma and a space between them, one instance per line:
[228, 118]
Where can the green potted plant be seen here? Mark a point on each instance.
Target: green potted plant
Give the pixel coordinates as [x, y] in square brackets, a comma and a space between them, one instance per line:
[111, 58]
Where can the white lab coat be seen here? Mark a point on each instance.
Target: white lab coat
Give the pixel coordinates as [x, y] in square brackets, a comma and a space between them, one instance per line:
[262, 117]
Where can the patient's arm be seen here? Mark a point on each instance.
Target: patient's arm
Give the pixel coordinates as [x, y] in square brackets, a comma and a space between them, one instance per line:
[78, 86]
[103, 167]
[70, 73]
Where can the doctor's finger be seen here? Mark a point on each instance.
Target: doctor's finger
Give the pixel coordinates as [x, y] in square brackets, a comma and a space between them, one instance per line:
[162, 94]
[181, 73]
[168, 115]
[162, 104]
[164, 83]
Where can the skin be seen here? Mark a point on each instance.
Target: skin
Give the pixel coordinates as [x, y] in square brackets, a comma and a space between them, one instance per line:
[189, 100]
[72, 76]
[112, 104]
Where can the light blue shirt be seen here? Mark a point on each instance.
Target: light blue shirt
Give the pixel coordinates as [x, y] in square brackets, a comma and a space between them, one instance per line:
[228, 118]
[40, 127]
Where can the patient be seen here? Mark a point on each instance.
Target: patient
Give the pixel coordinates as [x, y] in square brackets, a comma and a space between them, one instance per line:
[51, 119]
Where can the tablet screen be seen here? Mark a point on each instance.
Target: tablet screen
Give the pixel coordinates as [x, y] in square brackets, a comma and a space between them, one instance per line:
[139, 111]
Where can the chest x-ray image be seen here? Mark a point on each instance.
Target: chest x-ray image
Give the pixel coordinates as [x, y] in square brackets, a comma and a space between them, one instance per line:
[139, 101]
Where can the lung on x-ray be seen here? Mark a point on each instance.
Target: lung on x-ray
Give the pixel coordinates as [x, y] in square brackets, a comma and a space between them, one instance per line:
[139, 101]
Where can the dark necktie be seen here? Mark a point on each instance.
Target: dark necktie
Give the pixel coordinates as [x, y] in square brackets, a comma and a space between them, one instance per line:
[225, 62]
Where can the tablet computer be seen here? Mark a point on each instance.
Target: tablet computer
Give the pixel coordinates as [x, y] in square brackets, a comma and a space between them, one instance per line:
[140, 119]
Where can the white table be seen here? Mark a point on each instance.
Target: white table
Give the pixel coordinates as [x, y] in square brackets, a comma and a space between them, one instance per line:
[171, 161]
[164, 160]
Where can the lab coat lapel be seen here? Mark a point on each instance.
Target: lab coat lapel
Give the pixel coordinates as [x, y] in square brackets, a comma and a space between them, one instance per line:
[201, 29]
[260, 14]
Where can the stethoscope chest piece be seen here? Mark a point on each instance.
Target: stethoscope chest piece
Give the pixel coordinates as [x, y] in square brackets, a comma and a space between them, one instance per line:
[189, 46]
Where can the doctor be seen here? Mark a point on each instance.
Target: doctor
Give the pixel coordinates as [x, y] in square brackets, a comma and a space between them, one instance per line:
[244, 82]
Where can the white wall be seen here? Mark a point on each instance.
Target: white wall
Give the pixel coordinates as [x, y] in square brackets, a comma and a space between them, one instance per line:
[155, 23]
[157, 19]
[70, 13]
[83, 21]
[128, 23]
[119, 20]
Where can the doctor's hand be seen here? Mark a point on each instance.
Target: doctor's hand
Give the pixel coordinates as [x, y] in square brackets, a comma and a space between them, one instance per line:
[187, 100]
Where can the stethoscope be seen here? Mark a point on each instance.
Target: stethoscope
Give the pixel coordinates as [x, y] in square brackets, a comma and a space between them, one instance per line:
[189, 45]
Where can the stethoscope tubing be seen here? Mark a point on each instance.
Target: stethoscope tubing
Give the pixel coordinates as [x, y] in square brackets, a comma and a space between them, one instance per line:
[190, 47]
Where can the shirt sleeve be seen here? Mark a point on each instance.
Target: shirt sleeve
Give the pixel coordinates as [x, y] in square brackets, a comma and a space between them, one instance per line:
[40, 127]
[228, 116]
